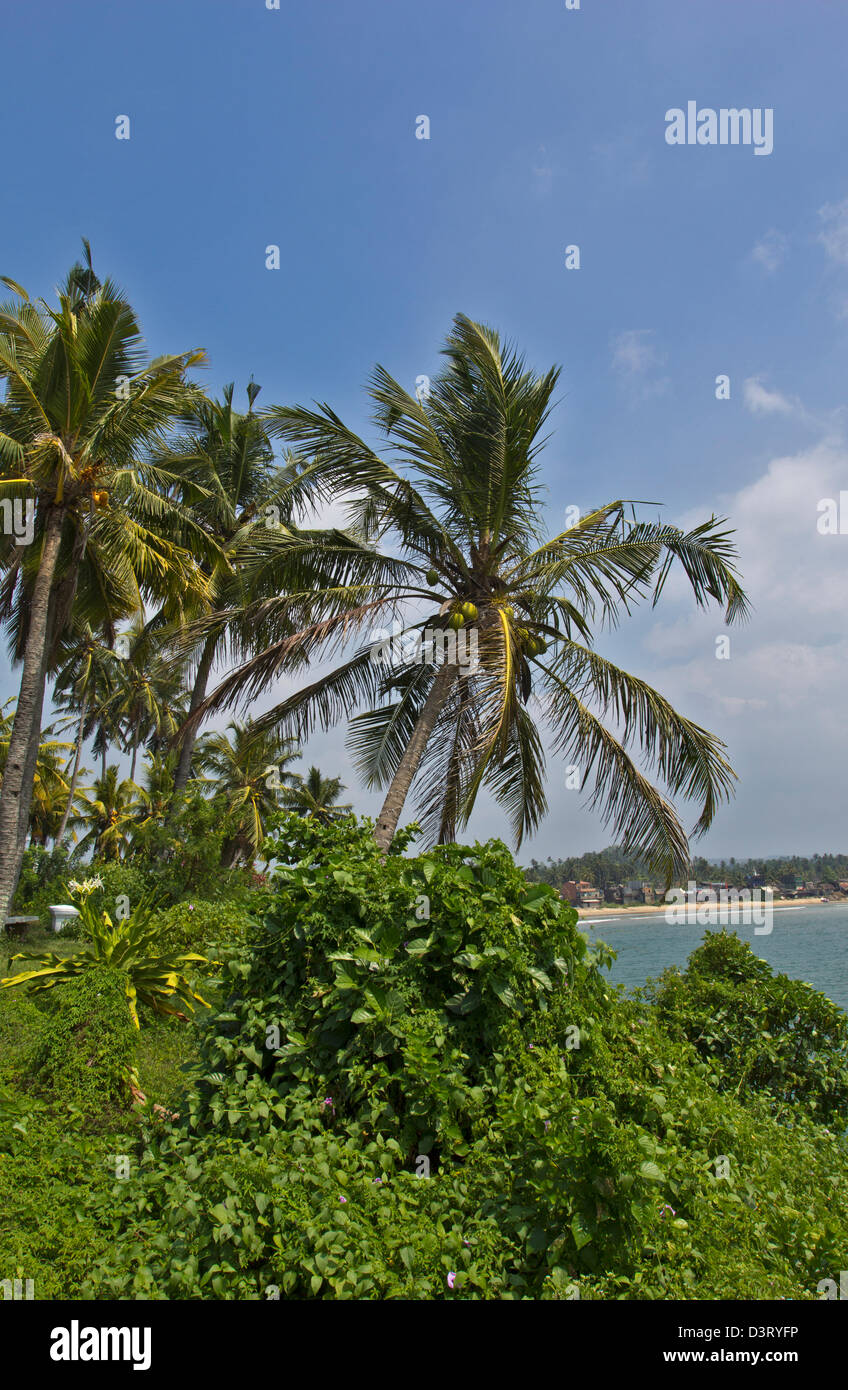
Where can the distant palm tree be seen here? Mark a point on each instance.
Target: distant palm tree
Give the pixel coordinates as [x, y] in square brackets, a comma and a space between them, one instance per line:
[233, 486]
[462, 521]
[247, 768]
[81, 409]
[146, 700]
[107, 815]
[314, 796]
[83, 684]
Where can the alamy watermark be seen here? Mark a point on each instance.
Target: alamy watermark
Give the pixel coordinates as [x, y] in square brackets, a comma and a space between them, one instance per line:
[413, 647]
[17, 518]
[709, 907]
[726, 126]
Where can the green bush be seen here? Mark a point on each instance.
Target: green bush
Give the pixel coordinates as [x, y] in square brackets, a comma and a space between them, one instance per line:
[422, 1086]
[759, 1032]
[86, 1052]
[181, 857]
[52, 1179]
[199, 925]
[44, 874]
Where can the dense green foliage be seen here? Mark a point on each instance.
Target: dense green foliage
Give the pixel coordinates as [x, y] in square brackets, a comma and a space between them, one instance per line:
[178, 860]
[203, 926]
[758, 1031]
[150, 974]
[458, 1105]
[86, 1052]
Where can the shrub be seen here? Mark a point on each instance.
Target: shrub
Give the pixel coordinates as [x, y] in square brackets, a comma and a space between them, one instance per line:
[759, 1032]
[119, 881]
[87, 1048]
[42, 881]
[51, 1183]
[422, 1086]
[200, 925]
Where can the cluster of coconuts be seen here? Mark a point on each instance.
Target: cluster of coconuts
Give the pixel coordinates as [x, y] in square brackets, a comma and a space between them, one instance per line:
[100, 497]
[461, 613]
[531, 645]
[464, 613]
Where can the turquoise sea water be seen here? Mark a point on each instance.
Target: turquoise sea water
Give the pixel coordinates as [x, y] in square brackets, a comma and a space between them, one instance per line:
[809, 941]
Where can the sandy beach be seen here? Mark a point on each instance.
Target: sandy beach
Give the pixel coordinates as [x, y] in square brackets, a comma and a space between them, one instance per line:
[643, 910]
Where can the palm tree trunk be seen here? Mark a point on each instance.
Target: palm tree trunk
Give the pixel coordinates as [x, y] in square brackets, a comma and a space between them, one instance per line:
[103, 762]
[198, 695]
[134, 756]
[74, 776]
[401, 782]
[30, 767]
[16, 792]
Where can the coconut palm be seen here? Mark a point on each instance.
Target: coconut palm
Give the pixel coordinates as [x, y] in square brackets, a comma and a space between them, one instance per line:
[53, 794]
[315, 797]
[107, 814]
[82, 688]
[156, 790]
[81, 408]
[234, 487]
[146, 701]
[459, 518]
[247, 769]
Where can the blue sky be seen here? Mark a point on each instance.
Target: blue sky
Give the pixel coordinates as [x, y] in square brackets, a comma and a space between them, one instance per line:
[296, 127]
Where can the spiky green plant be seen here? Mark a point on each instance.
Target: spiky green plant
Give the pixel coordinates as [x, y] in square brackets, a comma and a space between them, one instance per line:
[128, 945]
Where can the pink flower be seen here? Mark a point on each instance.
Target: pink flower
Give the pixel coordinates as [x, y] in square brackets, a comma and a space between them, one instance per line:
[451, 1279]
[343, 1199]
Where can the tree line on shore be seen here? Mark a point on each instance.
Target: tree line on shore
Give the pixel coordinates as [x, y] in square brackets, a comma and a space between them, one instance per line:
[606, 867]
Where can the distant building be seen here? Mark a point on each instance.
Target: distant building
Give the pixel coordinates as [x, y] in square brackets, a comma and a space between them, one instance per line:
[581, 893]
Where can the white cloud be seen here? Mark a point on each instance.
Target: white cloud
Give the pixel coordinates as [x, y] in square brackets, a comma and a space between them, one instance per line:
[760, 401]
[636, 359]
[771, 250]
[834, 233]
[634, 352]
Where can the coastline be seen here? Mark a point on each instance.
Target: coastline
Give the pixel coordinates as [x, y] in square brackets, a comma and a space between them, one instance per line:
[644, 910]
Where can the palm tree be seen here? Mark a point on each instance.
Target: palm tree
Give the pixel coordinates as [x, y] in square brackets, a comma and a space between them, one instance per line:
[248, 768]
[107, 816]
[81, 408]
[52, 794]
[83, 685]
[462, 521]
[157, 789]
[145, 703]
[231, 482]
[314, 796]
